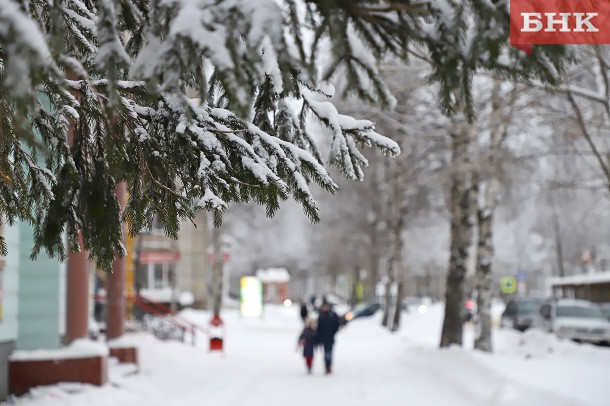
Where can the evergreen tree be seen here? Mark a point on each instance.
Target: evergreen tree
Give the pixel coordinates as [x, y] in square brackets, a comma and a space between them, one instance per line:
[199, 103]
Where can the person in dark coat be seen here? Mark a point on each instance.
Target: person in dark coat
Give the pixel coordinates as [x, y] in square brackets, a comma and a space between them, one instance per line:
[328, 325]
[307, 340]
[312, 302]
[304, 310]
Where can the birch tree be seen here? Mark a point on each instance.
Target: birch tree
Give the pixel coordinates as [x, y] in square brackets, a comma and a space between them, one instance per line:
[463, 138]
[398, 207]
[588, 95]
[502, 109]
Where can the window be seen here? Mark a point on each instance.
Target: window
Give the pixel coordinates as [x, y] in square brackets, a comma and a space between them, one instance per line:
[157, 276]
[159, 279]
[579, 312]
[527, 307]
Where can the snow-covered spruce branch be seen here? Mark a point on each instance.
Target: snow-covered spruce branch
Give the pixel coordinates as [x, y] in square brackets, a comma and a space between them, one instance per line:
[190, 102]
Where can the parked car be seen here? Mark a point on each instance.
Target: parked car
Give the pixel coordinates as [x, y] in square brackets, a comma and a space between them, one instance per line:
[361, 310]
[415, 304]
[605, 308]
[520, 313]
[577, 320]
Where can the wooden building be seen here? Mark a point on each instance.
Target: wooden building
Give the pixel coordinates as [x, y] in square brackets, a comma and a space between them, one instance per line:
[275, 284]
[592, 286]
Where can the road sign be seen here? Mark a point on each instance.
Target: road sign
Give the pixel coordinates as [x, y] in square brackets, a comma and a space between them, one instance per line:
[508, 285]
[521, 276]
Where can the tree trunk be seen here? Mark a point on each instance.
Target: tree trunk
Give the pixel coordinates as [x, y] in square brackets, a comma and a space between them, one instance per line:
[398, 307]
[388, 302]
[377, 232]
[500, 120]
[355, 286]
[484, 262]
[372, 277]
[558, 245]
[461, 230]
[398, 206]
[217, 268]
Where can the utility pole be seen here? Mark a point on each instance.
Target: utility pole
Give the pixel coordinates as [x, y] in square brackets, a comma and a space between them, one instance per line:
[217, 267]
[558, 245]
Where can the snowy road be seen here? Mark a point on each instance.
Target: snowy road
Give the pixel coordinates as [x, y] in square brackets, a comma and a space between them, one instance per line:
[372, 367]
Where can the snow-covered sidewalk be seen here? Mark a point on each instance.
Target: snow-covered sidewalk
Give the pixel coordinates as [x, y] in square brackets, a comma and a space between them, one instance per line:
[372, 367]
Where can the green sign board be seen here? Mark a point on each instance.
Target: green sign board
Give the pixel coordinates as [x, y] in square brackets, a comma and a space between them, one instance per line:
[508, 285]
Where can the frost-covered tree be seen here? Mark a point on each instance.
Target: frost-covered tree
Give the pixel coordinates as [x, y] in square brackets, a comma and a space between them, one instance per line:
[198, 103]
[587, 90]
[367, 221]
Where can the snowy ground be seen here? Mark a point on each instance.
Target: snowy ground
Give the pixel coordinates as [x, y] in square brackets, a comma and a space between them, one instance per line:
[372, 367]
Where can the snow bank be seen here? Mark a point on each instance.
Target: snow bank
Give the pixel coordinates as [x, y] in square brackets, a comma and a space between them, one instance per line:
[81, 348]
[371, 366]
[124, 341]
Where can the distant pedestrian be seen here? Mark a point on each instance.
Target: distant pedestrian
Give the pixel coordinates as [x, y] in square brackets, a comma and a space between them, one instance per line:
[307, 340]
[328, 325]
[312, 300]
[304, 311]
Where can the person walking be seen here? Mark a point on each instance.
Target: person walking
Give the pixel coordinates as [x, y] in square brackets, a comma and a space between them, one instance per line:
[307, 340]
[312, 301]
[328, 325]
[304, 311]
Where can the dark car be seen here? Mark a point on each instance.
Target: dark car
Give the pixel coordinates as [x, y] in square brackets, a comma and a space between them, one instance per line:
[361, 310]
[519, 313]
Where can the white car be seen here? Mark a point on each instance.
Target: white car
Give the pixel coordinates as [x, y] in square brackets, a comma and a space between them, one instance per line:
[577, 320]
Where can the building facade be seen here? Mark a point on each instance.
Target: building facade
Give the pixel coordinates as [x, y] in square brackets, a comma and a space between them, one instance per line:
[275, 284]
[32, 299]
[9, 287]
[194, 261]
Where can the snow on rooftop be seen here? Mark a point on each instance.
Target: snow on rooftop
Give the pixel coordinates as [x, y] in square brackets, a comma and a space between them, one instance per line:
[163, 295]
[124, 341]
[273, 275]
[582, 279]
